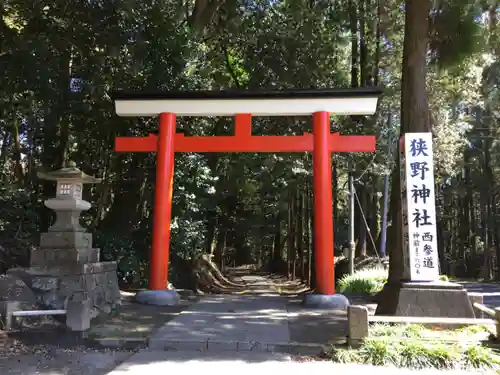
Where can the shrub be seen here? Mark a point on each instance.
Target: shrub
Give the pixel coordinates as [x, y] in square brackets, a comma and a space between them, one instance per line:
[368, 281]
[443, 278]
[408, 346]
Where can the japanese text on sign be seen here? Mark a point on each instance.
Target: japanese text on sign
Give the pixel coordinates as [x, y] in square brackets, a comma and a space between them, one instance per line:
[419, 207]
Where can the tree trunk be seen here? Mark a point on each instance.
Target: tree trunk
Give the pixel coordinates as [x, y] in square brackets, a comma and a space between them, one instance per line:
[277, 259]
[414, 111]
[353, 21]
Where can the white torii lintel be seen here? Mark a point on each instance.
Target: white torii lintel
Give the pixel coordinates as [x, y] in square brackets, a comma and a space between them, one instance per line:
[355, 101]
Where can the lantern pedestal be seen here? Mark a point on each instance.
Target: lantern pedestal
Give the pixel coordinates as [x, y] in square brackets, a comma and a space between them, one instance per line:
[430, 299]
[65, 265]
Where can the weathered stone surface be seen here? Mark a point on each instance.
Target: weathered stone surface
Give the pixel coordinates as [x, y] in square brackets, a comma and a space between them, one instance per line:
[428, 299]
[27, 274]
[6, 310]
[111, 289]
[65, 240]
[13, 288]
[71, 285]
[52, 299]
[357, 317]
[72, 269]
[66, 266]
[98, 280]
[67, 221]
[78, 312]
[158, 297]
[326, 301]
[44, 283]
[62, 257]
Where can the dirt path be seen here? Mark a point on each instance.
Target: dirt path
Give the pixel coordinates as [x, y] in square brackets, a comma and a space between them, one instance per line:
[313, 326]
[258, 282]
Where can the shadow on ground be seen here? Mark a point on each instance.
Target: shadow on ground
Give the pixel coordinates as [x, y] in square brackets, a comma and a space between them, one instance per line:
[315, 325]
[136, 320]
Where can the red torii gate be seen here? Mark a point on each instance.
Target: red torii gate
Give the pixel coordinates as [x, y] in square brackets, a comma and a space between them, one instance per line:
[243, 105]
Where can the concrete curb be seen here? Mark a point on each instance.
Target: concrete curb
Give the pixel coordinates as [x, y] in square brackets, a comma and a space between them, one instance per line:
[296, 348]
[237, 346]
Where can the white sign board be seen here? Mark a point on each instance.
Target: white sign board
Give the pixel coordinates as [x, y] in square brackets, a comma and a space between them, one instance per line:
[419, 208]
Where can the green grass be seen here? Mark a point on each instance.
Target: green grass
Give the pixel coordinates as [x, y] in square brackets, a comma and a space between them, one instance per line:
[417, 347]
[370, 281]
[367, 281]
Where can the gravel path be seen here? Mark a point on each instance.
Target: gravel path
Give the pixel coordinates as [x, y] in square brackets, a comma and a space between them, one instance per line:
[57, 361]
[48, 349]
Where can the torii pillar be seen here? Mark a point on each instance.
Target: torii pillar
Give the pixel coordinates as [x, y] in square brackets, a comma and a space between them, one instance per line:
[243, 105]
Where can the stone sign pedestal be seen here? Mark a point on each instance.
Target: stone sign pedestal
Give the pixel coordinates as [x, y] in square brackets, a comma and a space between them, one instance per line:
[66, 264]
[419, 291]
[429, 299]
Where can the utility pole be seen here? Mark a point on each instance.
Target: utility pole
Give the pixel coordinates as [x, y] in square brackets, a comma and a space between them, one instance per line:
[352, 245]
[383, 235]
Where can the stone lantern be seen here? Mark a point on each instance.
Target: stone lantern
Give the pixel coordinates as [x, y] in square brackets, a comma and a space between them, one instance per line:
[66, 267]
[68, 203]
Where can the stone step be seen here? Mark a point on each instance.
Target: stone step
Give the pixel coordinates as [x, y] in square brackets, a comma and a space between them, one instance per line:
[218, 345]
[237, 346]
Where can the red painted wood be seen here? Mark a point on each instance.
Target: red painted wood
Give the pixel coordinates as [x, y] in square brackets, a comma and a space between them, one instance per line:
[323, 205]
[235, 143]
[163, 203]
[243, 125]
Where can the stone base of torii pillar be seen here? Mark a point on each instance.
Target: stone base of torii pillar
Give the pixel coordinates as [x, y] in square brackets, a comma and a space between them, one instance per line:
[427, 299]
[325, 301]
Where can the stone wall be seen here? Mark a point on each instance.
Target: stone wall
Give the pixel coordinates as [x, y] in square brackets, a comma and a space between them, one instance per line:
[55, 285]
[66, 265]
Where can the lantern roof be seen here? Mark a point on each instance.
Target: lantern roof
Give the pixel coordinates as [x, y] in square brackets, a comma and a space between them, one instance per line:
[69, 172]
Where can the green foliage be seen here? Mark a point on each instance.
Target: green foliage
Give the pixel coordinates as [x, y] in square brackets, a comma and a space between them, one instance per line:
[444, 278]
[416, 347]
[19, 225]
[370, 281]
[367, 281]
[479, 357]
[456, 32]
[237, 201]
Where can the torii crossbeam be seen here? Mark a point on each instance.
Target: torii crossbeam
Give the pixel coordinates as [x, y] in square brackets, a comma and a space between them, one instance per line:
[243, 105]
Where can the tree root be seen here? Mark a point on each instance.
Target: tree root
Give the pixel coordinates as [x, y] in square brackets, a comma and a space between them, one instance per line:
[209, 279]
